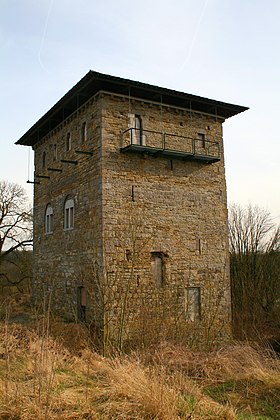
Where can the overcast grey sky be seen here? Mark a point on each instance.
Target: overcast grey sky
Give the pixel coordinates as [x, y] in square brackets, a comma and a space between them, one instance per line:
[221, 49]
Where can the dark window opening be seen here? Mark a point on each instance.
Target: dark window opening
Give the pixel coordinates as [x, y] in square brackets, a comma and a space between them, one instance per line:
[128, 255]
[44, 160]
[201, 141]
[198, 245]
[81, 303]
[68, 142]
[84, 132]
[54, 152]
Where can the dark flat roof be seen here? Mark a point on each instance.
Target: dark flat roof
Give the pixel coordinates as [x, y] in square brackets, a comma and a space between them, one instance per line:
[94, 82]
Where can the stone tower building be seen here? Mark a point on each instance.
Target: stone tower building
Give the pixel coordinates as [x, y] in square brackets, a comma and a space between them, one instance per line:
[130, 214]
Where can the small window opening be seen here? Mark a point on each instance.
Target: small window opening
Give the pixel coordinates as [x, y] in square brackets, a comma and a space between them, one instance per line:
[84, 132]
[158, 269]
[192, 304]
[201, 140]
[81, 303]
[132, 193]
[68, 142]
[181, 124]
[128, 255]
[54, 152]
[171, 165]
[198, 245]
[44, 160]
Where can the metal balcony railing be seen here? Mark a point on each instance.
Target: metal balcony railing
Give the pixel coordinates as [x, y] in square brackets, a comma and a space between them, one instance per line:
[170, 145]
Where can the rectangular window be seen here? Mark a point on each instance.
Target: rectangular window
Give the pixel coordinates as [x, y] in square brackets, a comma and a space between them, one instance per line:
[54, 152]
[71, 217]
[66, 218]
[157, 267]
[198, 245]
[68, 142]
[44, 160]
[82, 303]
[136, 132]
[84, 132]
[192, 303]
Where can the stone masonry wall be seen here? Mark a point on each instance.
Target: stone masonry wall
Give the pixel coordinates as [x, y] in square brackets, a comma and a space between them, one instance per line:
[175, 208]
[60, 257]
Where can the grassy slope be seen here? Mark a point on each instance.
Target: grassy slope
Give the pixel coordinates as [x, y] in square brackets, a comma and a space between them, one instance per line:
[46, 378]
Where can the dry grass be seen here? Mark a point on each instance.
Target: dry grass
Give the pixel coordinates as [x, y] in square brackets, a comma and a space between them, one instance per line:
[40, 378]
[235, 361]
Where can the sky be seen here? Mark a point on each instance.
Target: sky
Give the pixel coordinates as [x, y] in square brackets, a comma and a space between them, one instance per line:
[226, 50]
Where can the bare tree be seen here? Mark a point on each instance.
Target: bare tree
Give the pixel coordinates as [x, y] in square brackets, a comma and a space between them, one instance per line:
[255, 268]
[15, 223]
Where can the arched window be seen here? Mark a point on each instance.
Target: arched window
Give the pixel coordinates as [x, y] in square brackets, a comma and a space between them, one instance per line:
[84, 132]
[69, 214]
[49, 219]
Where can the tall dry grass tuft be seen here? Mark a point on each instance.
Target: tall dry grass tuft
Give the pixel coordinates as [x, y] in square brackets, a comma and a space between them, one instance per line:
[236, 362]
[125, 388]
[41, 379]
[132, 390]
[244, 362]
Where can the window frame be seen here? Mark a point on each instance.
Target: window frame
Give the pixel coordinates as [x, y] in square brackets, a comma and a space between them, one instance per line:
[49, 219]
[68, 222]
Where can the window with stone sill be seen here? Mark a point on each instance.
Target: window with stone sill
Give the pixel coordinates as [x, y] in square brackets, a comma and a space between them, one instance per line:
[49, 219]
[69, 214]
